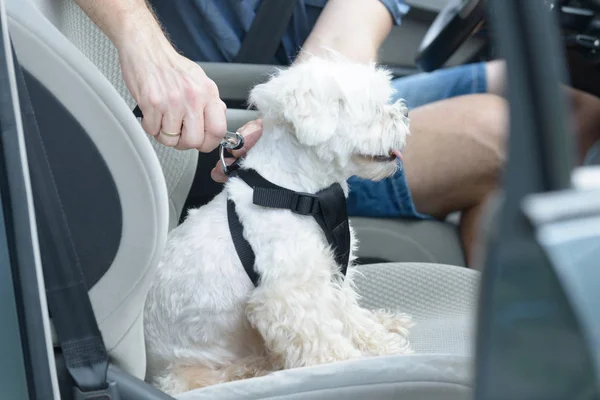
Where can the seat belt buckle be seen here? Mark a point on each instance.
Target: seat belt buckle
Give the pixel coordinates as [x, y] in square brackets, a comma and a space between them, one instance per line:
[305, 203]
[110, 393]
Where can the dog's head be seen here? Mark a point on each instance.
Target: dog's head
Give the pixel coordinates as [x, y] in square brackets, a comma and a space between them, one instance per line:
[340, 111]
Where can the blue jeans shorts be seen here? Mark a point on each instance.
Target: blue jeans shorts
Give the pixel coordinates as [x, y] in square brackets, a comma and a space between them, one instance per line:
[391, 197]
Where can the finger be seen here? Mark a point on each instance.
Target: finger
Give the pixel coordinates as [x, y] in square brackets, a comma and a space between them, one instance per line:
[217, 174]
[151, 121]
[215, 125]
[192, 133]
[171, 127]
[151, 106]
[252, 131]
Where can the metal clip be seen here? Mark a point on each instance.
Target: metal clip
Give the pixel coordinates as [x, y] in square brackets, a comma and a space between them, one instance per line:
[232, 141]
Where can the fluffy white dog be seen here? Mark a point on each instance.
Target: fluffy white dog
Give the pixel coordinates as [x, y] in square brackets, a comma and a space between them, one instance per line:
[324, 120]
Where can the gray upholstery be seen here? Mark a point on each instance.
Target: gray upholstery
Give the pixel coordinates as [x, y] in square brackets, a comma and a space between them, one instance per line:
[442, 300]
[400, 240]
[118, 296]
[415, 377]
[236, 80]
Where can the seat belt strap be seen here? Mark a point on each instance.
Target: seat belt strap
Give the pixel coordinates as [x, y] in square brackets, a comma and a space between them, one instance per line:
[328, 208]
[69, 304]
[264, 36]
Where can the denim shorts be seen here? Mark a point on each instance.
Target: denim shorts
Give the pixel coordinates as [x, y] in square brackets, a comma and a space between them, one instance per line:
[391, 197]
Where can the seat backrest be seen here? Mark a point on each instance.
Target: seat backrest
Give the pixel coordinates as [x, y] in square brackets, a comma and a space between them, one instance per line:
[178, 167]
[109, 179]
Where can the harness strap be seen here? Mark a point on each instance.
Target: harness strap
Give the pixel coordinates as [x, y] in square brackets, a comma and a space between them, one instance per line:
[242, 247]
[328, 208]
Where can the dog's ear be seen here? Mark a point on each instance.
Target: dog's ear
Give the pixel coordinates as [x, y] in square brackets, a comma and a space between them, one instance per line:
[311, 104]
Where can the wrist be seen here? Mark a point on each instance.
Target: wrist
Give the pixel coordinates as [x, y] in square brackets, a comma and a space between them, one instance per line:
[139, 30]
[359, 48]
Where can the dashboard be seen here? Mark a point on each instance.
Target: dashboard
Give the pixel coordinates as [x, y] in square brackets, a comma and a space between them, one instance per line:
[460, 20]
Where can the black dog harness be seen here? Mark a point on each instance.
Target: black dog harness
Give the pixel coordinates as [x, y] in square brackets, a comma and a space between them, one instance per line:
[327, 207]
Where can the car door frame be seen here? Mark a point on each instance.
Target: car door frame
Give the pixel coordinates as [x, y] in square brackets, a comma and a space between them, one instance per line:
[27, 350]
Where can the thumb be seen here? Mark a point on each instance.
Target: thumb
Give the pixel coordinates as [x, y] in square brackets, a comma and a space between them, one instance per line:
[251, 133]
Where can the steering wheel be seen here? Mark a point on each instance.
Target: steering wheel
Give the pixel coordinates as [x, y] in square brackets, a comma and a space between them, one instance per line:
[453, 26]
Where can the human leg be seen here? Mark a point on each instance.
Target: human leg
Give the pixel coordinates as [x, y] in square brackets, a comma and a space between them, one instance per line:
[452, 162]
[425, 88]
[585, 108]
[392, 197]
[455, 155]
[453, 159]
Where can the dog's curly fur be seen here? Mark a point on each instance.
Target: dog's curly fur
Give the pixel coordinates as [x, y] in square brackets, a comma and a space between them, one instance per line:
[205, 322]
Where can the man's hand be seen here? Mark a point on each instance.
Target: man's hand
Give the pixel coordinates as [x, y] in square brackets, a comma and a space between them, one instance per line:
[181, 105]
[251, 132]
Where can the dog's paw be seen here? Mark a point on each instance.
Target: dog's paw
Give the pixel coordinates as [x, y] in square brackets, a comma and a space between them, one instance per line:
[332, 355]
[394, 322]
[386, 334]
[183, 378]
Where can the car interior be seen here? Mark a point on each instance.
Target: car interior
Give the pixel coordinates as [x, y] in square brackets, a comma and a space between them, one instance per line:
[525, 327]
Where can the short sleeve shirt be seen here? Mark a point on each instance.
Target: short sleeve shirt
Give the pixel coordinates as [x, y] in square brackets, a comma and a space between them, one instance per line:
[213, 30]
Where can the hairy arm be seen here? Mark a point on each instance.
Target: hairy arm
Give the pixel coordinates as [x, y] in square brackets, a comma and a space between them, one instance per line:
[123, 20]
[181, 105]
[354, 28]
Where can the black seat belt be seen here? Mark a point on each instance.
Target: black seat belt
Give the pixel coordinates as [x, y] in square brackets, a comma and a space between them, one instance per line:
[69, 304]
[264, 36]
[327, 207]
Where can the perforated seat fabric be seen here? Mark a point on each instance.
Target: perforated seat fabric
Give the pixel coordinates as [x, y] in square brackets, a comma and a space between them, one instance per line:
[442, 300]
[178, 167]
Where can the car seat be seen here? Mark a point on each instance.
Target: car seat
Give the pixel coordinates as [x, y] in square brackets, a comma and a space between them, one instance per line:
[440, 297]
[111, 185]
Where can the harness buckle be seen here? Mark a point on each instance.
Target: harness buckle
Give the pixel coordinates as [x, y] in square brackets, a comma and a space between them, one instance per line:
[305, 204]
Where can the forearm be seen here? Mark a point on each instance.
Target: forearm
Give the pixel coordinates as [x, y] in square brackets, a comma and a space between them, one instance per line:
[354, 28]
[124, 21]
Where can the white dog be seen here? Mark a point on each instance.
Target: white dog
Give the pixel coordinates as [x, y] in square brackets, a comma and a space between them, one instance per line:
[324, 121]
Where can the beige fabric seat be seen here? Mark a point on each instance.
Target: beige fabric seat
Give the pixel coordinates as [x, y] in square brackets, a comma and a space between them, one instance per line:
[150, 182]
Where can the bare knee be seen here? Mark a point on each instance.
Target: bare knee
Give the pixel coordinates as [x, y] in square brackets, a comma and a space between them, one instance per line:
[488, 132]
[586, 118]
[457, 152]
[488, 124]
[496, 77]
